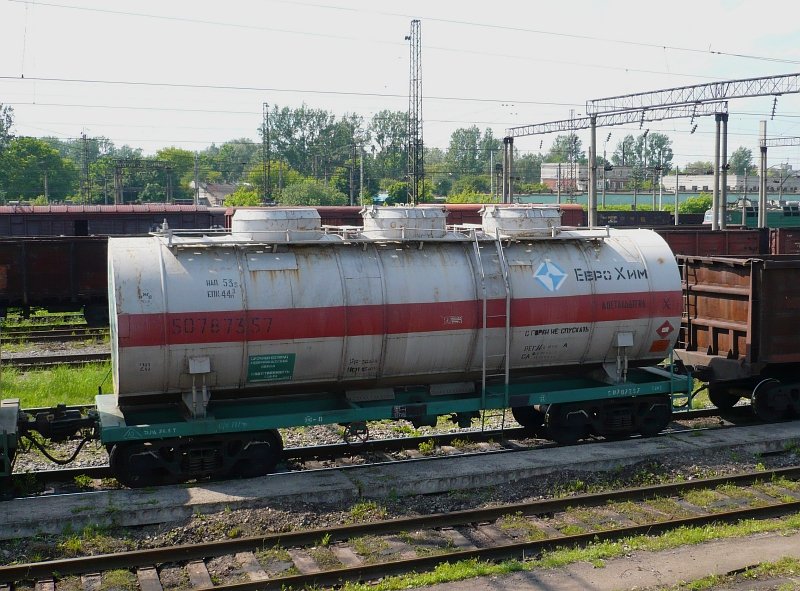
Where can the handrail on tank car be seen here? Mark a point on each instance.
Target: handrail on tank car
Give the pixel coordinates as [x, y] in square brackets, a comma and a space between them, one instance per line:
[356, 234]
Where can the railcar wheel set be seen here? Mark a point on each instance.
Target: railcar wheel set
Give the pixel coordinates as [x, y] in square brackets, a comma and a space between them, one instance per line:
[219, 339]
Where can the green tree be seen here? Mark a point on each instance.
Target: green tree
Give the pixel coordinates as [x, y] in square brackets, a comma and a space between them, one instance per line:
[659, 152]
[472, 183]
[470, 197]
[181, 163]
[280, 177]
[699, 204]
[626, 153]
[6, 123]
[698, 167]
[528, 167]
[566, 148]
[388, 133]
[243, 197]
[25, 163]
[397, 192]
[741, 161]
[464, 152]
[311, 192]
[233, 158]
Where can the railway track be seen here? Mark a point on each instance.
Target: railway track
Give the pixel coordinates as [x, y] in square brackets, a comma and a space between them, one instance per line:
[39, 361]
[53, 334]
[375, 451]
[368, 551]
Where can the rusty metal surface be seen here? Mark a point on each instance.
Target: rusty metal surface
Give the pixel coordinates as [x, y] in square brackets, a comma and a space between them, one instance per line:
[744, 310]
[44, 271]
[784, 240]
[705, 242]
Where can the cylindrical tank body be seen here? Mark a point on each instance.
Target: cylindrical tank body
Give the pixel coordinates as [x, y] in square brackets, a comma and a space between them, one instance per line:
[367, 313]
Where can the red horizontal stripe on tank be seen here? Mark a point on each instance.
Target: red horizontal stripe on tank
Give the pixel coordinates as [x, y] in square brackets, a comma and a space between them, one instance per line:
[143, 330]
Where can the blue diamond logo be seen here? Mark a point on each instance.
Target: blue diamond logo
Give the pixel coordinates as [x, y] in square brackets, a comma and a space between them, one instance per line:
[550, 275]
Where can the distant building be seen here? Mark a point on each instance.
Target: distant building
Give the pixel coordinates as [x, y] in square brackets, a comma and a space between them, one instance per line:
[787, 184]
[213, 194]
[575, 177]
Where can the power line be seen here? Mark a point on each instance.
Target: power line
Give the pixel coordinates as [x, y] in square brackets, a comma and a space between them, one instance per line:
[517, 29]
[272, 89]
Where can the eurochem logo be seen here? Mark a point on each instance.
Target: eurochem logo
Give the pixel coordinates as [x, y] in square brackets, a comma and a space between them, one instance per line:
[550, 275]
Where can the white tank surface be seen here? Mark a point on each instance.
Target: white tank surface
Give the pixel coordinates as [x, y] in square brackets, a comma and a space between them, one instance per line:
[352, 312]
[520, 221]
[277, 224]
[404, 223]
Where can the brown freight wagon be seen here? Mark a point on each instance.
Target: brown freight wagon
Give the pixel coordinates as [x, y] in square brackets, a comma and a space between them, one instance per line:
[65, 273]
[703, 241]
[741, 330]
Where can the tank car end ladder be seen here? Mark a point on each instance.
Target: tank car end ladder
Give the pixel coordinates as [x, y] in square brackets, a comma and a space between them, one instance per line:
[504, 319]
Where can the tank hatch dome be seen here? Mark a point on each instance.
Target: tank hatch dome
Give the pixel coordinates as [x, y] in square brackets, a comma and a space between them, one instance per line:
[523, 220]
[404, 223]
[277, 225]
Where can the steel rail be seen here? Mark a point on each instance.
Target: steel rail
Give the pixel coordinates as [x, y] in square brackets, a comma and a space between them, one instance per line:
[54, 334]
[50, 360]
[185, 552]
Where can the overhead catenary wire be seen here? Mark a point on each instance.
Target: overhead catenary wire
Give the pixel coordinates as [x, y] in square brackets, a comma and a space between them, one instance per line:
[485, 25]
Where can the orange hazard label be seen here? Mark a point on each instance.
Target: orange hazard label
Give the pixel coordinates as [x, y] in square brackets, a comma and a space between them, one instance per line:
[659, 346]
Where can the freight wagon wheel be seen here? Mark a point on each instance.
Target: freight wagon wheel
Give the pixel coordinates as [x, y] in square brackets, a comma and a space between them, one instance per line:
[528, 417]
[770, 404]
[260, 455]
[136, 465]
[655, 419]
[565, 425]
[356, 433]
[721, 397]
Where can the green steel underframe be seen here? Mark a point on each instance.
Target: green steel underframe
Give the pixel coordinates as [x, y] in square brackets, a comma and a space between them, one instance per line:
[224, 417]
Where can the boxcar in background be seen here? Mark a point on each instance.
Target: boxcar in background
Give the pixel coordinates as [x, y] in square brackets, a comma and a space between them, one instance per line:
[64, 273]
[103, 220]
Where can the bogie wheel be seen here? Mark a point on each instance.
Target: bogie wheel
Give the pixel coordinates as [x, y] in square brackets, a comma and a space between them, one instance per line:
[356, 433]
[655, 419]
[136, 465]
[769, 403]
[528, 417]
[721, 397]
[564, 426]
[260, 455]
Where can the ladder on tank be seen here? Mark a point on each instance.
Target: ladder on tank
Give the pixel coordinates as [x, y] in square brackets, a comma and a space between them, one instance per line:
[505, 319]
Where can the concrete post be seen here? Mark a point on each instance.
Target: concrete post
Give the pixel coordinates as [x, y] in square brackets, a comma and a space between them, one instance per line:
[724, 184]
[715, 195]
[592, 196]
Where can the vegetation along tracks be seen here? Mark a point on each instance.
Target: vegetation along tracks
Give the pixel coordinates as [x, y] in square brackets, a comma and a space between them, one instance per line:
[366, 551]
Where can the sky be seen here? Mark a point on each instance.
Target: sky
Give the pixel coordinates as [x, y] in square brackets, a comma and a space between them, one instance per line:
[153, 74]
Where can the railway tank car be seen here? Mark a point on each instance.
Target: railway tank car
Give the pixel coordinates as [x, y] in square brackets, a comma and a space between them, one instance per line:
[219, 340]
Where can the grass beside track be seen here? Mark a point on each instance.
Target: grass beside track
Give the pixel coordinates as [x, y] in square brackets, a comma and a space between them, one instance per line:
[61, 384]
[595, 554]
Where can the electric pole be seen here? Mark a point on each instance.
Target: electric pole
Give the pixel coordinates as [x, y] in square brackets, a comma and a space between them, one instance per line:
[196, 180]
[85, 175]
[416, 174]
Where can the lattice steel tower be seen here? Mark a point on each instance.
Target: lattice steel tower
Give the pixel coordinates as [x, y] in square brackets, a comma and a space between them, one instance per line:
[416, 171]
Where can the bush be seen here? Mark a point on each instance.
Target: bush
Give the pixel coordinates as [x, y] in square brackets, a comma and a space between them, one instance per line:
[311, 192]
[242, 197]
[700, 204]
